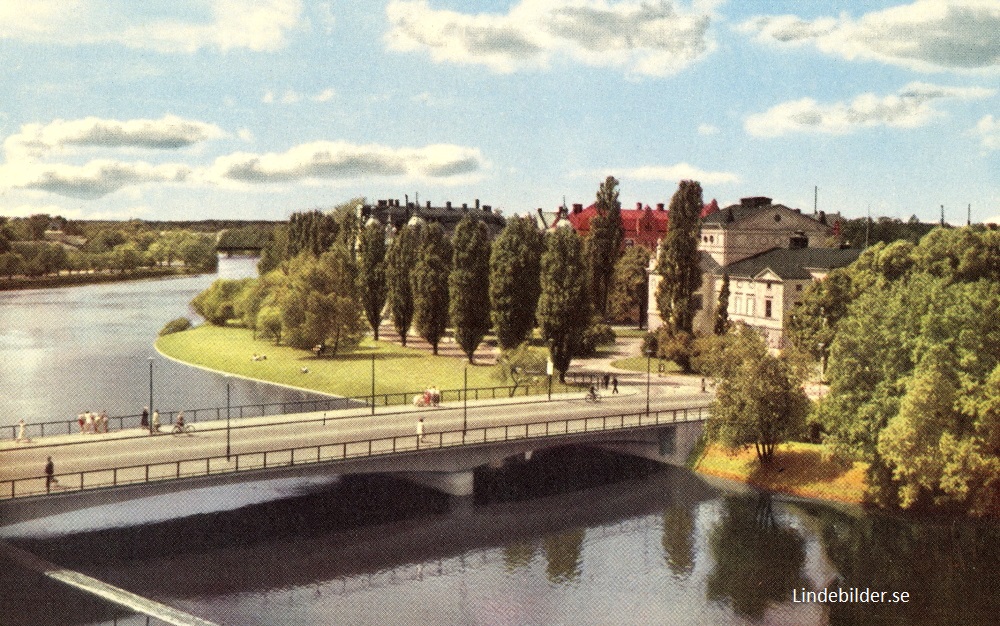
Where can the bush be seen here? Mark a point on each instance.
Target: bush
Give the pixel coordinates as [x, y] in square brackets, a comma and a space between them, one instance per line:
[650, 344]
[175, 326]
[597, 334]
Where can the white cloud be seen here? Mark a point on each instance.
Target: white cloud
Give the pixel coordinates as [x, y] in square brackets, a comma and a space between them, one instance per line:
[227, 24]
[677, 173]
[268, 97]
[168, 133]
[650, 38]
[988, 130]
[925, 35]
[708, 129]
[291, 97]
[324, 96]
[294, 97]
[93, 180]
[911, 107]
[339, 160]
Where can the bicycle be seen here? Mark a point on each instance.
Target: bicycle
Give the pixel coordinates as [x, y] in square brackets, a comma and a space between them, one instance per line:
[182, 429]
[592, 396]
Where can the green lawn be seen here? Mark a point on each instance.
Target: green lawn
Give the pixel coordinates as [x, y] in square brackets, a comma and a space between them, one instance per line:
[638, 364]
[397, 369]
[629, 331]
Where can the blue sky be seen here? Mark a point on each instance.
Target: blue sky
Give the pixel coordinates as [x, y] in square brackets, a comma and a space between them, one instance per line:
[223, 108]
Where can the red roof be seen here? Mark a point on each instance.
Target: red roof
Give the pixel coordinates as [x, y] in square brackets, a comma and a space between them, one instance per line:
[631, 218]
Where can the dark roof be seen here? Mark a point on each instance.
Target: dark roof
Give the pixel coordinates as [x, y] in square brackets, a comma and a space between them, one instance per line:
[793, 264]
[708, 263]
[737, 212]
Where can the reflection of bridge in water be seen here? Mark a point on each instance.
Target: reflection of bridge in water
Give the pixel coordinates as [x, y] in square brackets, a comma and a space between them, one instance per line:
[93, 470]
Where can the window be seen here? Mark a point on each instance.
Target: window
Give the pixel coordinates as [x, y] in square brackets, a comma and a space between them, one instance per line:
[711, 238]
[767, 308]
[798, 287]
[739, 303]
[750, 306]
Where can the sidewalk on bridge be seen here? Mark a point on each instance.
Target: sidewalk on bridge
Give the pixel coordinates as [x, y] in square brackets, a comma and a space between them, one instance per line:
[355, 412]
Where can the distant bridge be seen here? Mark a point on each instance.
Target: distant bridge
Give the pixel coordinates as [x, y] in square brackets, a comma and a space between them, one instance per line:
[99, 469]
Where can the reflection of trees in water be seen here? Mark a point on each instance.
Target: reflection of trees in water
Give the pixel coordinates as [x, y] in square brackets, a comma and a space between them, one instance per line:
[678, 540]
[757, 560]
[517, 555]
[949, 567]
[563, 554]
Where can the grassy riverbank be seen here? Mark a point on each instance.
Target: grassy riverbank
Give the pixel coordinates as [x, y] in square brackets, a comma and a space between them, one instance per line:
[799, 469]
[397, 369]
[93, 278]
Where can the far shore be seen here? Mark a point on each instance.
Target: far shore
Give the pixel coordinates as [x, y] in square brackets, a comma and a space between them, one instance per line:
[87, 278]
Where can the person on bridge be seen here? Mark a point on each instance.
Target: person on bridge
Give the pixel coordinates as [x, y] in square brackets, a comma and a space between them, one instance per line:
[50, 479]
[144, 422]
[180, 419]
[156, 421]
[614, 385]
[420, 430]
[20, 431]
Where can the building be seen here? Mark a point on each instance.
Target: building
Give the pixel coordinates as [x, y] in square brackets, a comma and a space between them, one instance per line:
[770, 253]
[392, 213]
[642, 225]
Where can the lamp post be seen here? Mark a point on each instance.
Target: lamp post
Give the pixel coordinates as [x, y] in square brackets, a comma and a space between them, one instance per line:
[465, 402]
[373, 383]
[227, 419]
[150, 420]
[549, 367]
[649, 355]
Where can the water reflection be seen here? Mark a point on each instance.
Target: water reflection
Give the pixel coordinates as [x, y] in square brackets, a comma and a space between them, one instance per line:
[678, 540]
[563, 554]
[758, 558]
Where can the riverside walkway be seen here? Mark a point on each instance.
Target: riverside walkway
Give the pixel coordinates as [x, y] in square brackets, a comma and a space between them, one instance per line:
[351, 440]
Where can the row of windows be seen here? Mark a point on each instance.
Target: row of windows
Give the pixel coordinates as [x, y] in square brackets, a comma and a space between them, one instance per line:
[749, 306]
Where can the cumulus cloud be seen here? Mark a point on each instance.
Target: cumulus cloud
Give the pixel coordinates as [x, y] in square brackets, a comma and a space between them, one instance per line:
[988, 130]
[911, 107]
[294, 97]
[225, 25]
[651, 38]
[679, 172]
[338, 160]
[168, 133]
[93, 180]
[925, 35]
[708, 129]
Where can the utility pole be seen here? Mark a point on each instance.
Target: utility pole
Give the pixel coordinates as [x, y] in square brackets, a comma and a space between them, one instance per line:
[816, 200]
[942, 215]
[968, 219]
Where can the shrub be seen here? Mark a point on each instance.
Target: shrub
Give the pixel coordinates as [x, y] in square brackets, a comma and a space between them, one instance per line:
[175, 326]
[597, 334]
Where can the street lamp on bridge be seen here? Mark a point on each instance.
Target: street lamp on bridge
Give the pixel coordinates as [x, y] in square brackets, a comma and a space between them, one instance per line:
[649, 355]
[227, 419]
[149, 422]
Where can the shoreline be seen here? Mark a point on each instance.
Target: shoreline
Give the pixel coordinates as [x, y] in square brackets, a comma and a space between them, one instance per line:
[82, 280]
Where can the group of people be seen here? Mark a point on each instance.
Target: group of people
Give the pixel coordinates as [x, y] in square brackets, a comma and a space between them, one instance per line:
[430, 397]
[92, 423]
[156, 420]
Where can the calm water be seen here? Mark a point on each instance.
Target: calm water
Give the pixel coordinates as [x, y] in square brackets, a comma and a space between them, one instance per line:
[64, 351]
[606, 541]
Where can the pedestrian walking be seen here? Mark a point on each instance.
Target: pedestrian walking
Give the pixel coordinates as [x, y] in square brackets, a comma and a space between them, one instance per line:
[50, 479]
[420, 430]
[156, 421]
[20, 431]
[81, 419]
[144, 421]
[614, 385]
[88, 426]
[104, 422]
[703, 384]
[607, 379]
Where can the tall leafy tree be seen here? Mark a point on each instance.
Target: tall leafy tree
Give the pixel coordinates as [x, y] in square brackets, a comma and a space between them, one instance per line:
[515, 263]
[564, 306]
[468, 284]
[678, 264]
[430, 285]
[721, 324]
[630, 292]
[604, 243]
[372, 273]
[401, 257]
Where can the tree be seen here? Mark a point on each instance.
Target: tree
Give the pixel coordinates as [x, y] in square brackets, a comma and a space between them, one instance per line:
[519, 366]
[603, 244]
[515, 263]
[217, 304]
[563, 307]
[722, 308]
[630, 291]
[759, 401]
[468, 284]
[430, 285]
[400, 260]
[679, 263]
[371, 273]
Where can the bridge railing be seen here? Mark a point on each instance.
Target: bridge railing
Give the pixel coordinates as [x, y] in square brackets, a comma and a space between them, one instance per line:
[263, 409]
[335, 452]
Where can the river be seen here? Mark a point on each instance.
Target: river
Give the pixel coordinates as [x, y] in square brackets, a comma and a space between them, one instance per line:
[570, 537]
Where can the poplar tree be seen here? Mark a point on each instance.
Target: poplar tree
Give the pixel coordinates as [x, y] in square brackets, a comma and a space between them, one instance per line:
[630, 292]
[468, 284]
[430, 285]
[722, 308]
[563, 307]
[372, 273]
[515, 263]
[400, 259]
[678, 264]
[604, 243]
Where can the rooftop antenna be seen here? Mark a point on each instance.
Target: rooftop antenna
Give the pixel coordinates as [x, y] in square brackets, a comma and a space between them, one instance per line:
[942, 215]
[968, 219]
[815, 199]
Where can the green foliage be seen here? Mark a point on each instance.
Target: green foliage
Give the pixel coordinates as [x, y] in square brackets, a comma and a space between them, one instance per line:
[678, 264]
[371, 273]
[320, 305]
[515, 266]
[597, 334]
[721, 324]
[468, 284]
[519, 366]
[812, 323]
[269, 323]
[563, 307]
[629, 298]
[217, 304]
[175, 326]
[274, 250]
[430, 285]
[603, 244]
[759, 401]
[401, 257]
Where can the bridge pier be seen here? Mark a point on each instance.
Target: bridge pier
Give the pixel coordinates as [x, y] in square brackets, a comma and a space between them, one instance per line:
[451, 483]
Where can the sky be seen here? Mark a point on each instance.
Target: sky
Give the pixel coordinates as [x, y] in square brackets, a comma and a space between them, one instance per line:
[196, 109]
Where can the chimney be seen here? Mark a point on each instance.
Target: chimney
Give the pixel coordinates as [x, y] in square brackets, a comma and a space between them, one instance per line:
[487, 208]
[465, 206]
[755, 201]
[798, 241]
[382, 203]
[447, 204]
[577, 208]
[638, 206]
[822, 218]
[477, 204]
[660, 206]
[428, 204]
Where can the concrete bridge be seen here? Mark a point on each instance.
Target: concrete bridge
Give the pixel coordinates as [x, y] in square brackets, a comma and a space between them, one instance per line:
[100, 469]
